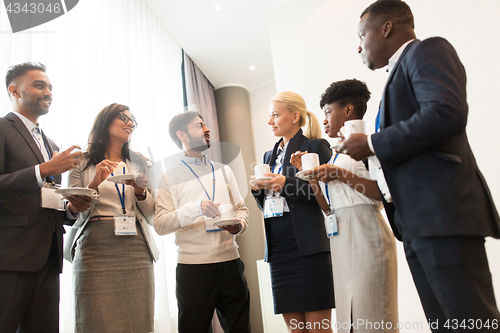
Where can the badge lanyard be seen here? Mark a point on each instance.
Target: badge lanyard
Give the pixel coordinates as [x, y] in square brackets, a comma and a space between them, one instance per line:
[281, 166]
[326, 184]
[122, 195]
[330, 217]
[213, 175]
[279, 170]
[274, 204]
[377, 121]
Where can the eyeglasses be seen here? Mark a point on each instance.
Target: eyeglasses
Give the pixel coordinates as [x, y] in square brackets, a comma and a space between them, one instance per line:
[123, 117]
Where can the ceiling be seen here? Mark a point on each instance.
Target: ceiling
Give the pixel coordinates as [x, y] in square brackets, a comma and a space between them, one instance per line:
[223, 43]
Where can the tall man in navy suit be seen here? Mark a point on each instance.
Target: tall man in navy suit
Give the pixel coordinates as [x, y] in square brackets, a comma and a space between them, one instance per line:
[443, 208]
[31, 232]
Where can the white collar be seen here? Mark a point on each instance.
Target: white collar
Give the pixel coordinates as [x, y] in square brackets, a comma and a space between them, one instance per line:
[282, 149]
[28, 123]
[395, 57]
[195, 161]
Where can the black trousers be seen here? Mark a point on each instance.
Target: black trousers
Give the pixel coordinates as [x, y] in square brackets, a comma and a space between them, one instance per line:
[203, 288]
[29, 301]
[453, 281]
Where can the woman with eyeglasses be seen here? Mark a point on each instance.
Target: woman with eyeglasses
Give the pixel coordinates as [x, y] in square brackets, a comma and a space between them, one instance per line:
[110, 244]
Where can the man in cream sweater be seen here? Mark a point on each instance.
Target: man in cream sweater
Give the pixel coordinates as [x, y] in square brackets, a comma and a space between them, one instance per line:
[209, 270]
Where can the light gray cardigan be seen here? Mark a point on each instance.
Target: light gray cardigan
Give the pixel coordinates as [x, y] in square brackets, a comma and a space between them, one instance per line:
[144, 210]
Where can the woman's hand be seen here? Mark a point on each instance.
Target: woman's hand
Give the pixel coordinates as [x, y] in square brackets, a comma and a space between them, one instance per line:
[326, 173]
[252, 184]
[102, 171]
[296, 159]
[339, 146]
[276, 183]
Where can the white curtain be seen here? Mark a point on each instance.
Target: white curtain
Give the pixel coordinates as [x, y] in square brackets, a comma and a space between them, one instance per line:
[200, 97]
[101, 52]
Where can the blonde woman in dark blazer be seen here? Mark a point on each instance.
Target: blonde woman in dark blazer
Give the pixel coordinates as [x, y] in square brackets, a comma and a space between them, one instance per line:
[297, 250]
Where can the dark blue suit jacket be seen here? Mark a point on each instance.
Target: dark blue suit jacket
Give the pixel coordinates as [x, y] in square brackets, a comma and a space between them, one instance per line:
[434, 180]
[306, 215]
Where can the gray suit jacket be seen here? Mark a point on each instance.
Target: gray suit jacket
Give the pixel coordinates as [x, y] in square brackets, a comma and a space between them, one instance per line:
[26, 229]
[144, 210]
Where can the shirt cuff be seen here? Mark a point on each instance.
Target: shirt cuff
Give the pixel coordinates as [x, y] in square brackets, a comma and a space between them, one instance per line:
[370, 143]
[38, 176]
[199, 208]
[69, 214]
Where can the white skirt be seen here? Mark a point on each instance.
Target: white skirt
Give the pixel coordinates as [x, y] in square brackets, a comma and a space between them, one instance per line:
[364, 263]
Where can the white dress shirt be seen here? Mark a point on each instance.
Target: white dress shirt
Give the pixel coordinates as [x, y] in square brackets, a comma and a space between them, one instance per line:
[37, 136]
[278, 168]
[374, 162]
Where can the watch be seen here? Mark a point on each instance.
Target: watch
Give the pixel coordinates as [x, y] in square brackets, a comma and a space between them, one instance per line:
[143, 193]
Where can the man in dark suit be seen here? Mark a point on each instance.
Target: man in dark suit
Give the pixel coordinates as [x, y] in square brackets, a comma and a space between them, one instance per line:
[443, 208]
[31, 235]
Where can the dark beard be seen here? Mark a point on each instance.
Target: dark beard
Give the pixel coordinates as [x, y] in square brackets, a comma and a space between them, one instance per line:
[34, 106]
[198, 144]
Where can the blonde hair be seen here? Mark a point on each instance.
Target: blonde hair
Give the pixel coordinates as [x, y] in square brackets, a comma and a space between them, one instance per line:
[295, 103]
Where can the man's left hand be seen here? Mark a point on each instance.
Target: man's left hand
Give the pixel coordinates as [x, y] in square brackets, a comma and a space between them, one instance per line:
[79, 203]
[357, 147]
[233, 229]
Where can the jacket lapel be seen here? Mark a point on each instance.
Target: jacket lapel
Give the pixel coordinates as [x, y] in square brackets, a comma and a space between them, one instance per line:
[389, 79]
[273, 154]
[294, 145]
[21, 128]
[51, 147]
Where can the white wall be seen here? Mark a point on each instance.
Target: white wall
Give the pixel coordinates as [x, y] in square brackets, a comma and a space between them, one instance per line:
[315, 43]
[263, 138]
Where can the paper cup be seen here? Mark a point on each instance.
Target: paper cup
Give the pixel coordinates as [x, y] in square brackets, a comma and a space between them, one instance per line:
[261, 169]
[310, 161]
[226, 212]
[353, 127]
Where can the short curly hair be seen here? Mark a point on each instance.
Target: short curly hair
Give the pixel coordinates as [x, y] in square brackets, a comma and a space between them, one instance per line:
[345, 92]
[16, 71]
[396, 11]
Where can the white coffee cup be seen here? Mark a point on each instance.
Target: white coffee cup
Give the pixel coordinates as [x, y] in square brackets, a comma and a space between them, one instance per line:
[260, 170]
[353, 127]
[226, 212]
[310, 161]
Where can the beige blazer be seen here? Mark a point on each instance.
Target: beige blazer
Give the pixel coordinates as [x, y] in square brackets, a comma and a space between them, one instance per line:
[144, 210]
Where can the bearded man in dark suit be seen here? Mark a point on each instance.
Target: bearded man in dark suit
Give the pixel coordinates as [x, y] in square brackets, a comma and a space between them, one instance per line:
[31, 230]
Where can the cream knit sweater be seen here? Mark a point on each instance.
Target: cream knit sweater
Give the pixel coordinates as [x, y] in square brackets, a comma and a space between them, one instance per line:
[177, 210]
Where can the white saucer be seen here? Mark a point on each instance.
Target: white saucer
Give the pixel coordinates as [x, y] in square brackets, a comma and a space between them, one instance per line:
[226, 222]
[262, 179]
[300, 175]
[78, 191]
[120, 179]
[253, 181]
